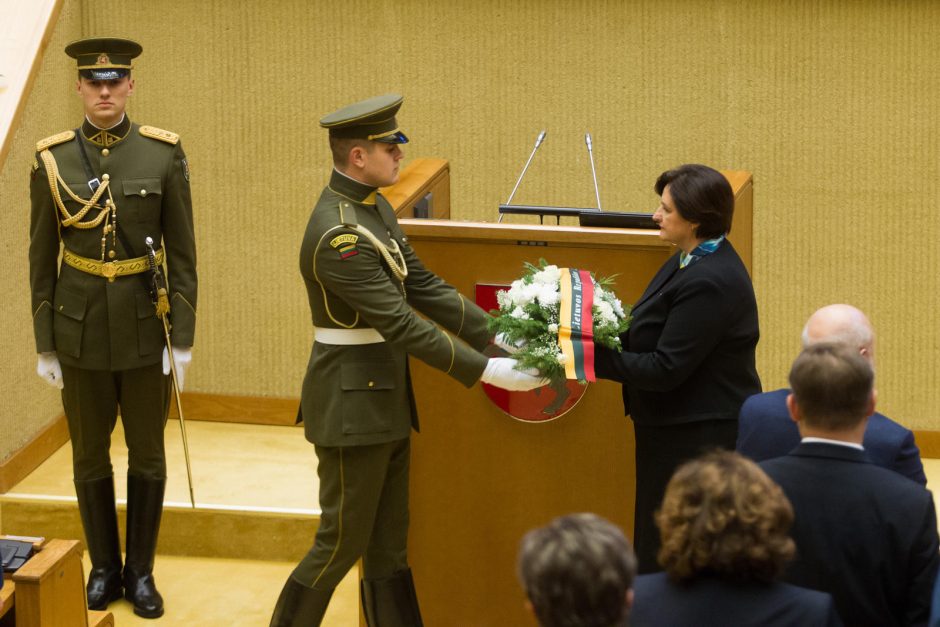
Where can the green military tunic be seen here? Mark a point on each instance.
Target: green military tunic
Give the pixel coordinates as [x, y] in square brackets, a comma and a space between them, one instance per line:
[97, 324]
[89, 321]
[357, 401]
[361, 394]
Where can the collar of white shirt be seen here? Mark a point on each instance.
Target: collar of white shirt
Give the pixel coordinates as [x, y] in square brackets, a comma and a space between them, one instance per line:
[838, 442]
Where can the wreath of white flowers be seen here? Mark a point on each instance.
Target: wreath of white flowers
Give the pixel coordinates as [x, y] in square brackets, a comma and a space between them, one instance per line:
[528, 317]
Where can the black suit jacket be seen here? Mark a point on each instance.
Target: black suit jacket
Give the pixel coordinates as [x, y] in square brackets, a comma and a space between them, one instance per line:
[765, 431]
[708, 602]
[863, 533]
[689, 353]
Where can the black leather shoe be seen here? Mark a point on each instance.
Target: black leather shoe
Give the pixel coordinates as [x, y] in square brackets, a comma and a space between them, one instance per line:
[142, 592]
[104, 586]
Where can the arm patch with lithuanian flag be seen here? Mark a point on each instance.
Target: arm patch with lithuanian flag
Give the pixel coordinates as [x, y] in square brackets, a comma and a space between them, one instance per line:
[346, 245]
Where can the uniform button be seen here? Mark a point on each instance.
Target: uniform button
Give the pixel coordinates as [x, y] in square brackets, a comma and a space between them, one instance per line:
[61, 307]
[112, 254]
[143, 192]
[105, 177]
[105, 152]
[371, 384]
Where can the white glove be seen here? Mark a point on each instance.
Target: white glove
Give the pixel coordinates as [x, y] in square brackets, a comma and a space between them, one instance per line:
[503, 342]
[49, 369]
[501, 372]
[182, 357]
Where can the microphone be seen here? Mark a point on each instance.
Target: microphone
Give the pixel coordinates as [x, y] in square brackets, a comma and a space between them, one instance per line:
[590, 149]
[538, 142]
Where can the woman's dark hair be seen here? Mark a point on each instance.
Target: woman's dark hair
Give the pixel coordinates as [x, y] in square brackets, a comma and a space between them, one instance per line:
[702, 195]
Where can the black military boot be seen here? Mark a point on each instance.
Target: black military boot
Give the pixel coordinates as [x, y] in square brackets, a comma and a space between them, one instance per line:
[99, 518]
[144, 507]
[300, 606]
[391, 602]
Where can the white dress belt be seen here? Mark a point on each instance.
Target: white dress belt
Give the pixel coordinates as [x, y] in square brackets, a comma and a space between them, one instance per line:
[347, 337]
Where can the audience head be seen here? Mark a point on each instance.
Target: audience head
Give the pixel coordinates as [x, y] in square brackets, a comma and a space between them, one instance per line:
[702, 195]
[723, 517]
[577, 571]
[840, 324]
[832, 388]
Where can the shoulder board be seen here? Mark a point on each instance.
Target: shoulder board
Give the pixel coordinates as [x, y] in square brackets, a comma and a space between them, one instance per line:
[59, 138]
[158, 133]
[347, 213]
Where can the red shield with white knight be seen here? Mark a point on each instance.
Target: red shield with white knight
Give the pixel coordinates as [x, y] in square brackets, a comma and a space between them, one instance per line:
[543, 404]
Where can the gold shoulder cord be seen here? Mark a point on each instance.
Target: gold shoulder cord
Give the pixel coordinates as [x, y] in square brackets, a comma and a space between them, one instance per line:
[52, 170]
[398, 266]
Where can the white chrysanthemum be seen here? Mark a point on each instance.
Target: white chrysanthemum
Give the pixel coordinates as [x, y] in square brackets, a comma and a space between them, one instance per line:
[548, 295]
[549, 275]
[618, 308]
[553, 328]
[503, 299]
[606, 312]
[519, 313]
[522, 294]
[561, 357]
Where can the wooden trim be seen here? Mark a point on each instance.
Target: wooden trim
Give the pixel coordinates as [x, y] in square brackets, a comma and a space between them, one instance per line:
[532, 234]
[928, 441]
[24, 461]
[421, 176]
[254, 410]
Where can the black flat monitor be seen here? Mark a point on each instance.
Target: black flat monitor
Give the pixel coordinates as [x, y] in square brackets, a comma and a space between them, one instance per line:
[617, 220]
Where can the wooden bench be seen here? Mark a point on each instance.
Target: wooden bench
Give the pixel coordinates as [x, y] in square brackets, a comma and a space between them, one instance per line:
[49, 591]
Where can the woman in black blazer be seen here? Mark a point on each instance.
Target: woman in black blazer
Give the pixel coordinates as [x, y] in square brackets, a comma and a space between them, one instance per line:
[725, 527]
[687, 362]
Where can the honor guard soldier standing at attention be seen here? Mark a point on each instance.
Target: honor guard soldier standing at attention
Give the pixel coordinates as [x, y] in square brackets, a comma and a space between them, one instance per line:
[100, 190]
[365, 285]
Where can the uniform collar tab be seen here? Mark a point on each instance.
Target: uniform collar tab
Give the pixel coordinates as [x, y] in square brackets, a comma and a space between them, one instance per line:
[352, 189]
[106, 137]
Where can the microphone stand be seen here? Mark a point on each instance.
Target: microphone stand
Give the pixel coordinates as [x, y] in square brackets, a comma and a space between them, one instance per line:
[590, 149]
[538, 142]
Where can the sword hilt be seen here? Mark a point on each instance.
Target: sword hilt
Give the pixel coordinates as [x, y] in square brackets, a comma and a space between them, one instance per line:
[158, 293]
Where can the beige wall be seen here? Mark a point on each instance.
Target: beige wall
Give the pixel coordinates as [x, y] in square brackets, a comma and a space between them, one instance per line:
[832, 105]
[26, 403]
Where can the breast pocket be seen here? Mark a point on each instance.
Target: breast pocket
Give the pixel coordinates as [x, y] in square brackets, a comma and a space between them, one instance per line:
[368, 391]
[142, 200]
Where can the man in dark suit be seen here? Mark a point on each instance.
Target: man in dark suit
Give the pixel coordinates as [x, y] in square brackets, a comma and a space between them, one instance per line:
[365, 286]
[766, 431]
[864, 534]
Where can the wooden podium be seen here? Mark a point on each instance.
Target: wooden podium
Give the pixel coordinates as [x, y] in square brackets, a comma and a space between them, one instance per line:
[479, 478]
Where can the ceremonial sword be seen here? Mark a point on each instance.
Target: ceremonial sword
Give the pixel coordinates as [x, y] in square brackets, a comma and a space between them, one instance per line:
[162, 303]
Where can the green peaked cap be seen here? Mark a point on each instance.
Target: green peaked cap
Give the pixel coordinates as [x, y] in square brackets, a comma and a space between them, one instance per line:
[103, 58]
[372, 120]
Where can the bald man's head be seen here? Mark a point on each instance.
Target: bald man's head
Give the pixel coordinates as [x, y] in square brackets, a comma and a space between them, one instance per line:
[840, 324]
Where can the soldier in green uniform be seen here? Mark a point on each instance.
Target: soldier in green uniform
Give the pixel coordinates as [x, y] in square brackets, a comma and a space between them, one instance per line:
[365, 285]
[97, 193]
